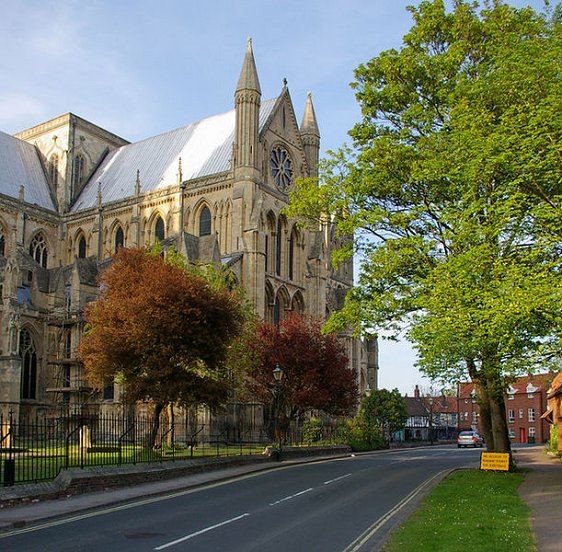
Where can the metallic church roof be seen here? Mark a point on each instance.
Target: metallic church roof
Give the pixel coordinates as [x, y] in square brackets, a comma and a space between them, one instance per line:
[20, 166]
[205, 148]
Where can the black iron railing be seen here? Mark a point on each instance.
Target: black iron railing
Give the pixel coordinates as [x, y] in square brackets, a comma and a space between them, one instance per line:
[33, 451]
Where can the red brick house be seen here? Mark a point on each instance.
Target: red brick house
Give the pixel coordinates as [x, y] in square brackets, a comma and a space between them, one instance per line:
[553, 415]
[525, 401]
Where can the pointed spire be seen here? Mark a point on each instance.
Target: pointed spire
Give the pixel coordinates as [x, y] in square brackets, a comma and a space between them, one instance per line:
[137, 183]
[309, 124]
[248, 75]
[180, 173]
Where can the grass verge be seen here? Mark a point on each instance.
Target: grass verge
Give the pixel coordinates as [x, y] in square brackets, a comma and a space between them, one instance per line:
[469, 510]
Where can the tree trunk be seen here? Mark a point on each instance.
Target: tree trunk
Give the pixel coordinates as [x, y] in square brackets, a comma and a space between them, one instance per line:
[484, 405]
[495, 388]
[151, 441]
[170, 432]
[499, 422]
[483, 399]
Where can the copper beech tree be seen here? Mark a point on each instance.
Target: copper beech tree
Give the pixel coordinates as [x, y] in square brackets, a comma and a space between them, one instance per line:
[160, 331]
[316, 372]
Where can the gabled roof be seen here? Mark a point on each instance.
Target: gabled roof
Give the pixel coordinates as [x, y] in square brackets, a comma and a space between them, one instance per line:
[20, 166]
[205, 148]
[555, 388]
[415, 407]
[524, 384]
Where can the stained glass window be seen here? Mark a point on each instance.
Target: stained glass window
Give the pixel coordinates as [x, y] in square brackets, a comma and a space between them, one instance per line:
[281, 168]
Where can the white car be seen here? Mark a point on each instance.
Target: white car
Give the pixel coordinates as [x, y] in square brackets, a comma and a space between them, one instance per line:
[469, 439]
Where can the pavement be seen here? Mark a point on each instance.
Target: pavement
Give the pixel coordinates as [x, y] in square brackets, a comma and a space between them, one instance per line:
[541, 490]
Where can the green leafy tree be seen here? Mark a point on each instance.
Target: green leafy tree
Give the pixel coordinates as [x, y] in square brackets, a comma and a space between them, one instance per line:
[385, 410]
[151, 330]
[452, 190]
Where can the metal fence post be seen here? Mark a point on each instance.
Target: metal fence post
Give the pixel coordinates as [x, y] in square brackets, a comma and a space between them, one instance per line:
[10, 462]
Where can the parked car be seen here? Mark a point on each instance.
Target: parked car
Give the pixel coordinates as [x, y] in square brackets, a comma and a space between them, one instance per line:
[469, 439]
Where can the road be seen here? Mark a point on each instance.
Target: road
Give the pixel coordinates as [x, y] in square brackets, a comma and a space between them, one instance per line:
[338, 505]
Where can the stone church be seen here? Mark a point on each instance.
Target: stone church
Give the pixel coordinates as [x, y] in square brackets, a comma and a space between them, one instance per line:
[71, 193]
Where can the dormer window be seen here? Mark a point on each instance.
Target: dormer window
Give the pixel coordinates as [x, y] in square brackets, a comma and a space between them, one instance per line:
[78, 169]
[531, 390]
[53, 170]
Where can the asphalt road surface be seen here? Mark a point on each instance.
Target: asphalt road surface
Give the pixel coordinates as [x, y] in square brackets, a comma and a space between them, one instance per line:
[343, 505]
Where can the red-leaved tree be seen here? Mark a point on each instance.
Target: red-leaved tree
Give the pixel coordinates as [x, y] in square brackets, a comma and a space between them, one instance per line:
[162, 332]
[316, 371]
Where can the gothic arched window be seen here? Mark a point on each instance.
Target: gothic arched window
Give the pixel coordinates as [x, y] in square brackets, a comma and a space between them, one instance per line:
[78, 167]
[278, 248]
[119, 238]
[29, 366]
[38, 250]
[205, 222]
[82, 247]
[2, 242]
[53, 170]
[291, 255]
[159, 229]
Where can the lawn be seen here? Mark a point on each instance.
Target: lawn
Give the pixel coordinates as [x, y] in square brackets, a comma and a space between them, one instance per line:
[44, 463]
[469, 510]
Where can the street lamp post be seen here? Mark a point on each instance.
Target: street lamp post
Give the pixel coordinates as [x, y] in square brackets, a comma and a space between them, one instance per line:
[278, 376]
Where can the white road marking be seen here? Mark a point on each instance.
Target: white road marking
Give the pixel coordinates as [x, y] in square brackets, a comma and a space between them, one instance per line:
[336, 479]
[289, 497]
[360, 541]
[206, 530]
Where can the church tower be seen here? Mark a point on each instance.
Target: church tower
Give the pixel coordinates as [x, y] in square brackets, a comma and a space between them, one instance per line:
[247, 102]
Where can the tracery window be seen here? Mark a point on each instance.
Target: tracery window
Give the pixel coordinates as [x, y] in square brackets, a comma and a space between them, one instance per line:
[205, 222]
[281, 168]
[159, 230]
[53, 170]
[119, 238]
[29, 366]
[38, 250]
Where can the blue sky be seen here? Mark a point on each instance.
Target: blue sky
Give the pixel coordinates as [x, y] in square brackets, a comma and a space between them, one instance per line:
[141, 67]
